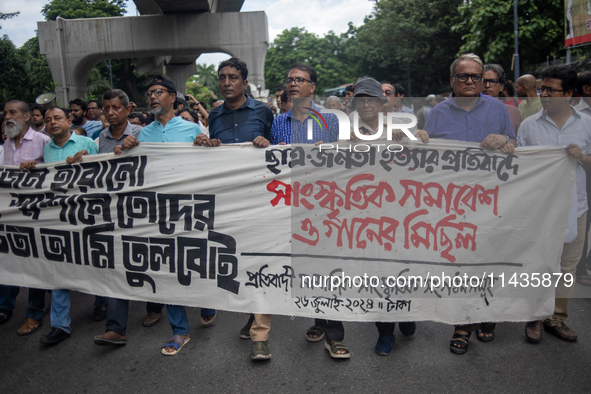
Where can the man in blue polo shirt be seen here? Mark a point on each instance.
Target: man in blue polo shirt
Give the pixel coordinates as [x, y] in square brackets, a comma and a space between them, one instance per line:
[241, 119]
[70, 147]
[470, 116]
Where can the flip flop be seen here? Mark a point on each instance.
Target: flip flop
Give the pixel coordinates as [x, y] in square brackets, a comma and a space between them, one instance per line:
[485, 338]
[177, 342]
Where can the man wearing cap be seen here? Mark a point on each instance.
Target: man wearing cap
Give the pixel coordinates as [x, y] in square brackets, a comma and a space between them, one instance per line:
[162, 97]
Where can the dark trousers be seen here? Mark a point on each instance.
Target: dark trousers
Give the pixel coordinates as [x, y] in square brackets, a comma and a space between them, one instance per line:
[475, 327]
[36, 309]
[334, 330]
[117, 311]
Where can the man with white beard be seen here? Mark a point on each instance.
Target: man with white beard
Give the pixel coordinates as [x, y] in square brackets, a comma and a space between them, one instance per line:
[23, 144]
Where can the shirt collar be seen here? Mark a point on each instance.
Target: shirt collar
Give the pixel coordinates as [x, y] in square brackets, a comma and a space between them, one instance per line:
[478, 102]
[29, 134]
[127, 130]
[73, 137]
[313, 106]
[249, 103]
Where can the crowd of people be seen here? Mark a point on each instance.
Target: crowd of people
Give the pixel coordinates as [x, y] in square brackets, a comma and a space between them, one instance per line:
[480, 109]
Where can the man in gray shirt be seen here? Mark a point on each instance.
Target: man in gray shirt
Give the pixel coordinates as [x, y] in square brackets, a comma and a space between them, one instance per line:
[116, 109]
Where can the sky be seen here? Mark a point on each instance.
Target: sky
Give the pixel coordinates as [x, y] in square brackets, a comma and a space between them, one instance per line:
[317, 16]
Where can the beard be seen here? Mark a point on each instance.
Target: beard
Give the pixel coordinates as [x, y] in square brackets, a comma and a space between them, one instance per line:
[160, 111]
[13, 128]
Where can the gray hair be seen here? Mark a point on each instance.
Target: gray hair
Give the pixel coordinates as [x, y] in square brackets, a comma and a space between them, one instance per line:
[465, 56]
[498, 69]
[111, 94]
[22, 106]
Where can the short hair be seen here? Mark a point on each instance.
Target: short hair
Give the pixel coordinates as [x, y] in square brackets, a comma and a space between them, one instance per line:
[350, 88]
[39, 108]
[498, 69]
[21, 105]
[182, 101]
[566, 74]
[98, 103]
[281, 87]
[80, 129]
[137, 115]
[465, 56]
[191, 112]
[212, 101]
[584, 79]
[80, 103]
[237, 64]
[284, 96]
[399, 89]
[510, 87]
[64, 110]
[305, 68]
[116, 93]
[388, 82]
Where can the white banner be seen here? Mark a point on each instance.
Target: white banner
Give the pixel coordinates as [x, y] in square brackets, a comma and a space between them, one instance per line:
[445, 232]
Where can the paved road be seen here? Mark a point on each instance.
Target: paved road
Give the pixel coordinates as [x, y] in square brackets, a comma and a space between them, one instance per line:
[217, 360]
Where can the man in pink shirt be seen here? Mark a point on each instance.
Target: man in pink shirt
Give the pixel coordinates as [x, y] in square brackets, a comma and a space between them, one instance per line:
[23, 144]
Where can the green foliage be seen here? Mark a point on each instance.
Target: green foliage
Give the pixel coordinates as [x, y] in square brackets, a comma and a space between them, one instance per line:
[207, 76]
[40, 79]
[487, 28]
[96, 84]
[14, 78]
[324, 54]
[200, 92]
[4, 16]
[76, 9]
[403, 35]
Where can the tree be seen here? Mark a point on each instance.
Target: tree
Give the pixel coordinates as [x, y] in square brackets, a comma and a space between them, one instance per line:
[76, 9]
[14, 80]
[487, 28]
[8, 15]
[40, 78]
[324, 54]
[401, 36]
[200, 92]
[207, 76]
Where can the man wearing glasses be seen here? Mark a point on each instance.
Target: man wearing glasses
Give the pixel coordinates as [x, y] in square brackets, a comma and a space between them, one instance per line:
[561, 124]
[493, 83]
[394, 97]
[161, 95]
[469, 116]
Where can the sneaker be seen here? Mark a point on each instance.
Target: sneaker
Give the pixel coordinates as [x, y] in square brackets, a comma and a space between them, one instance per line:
[245, 331]
[385, 345]
[260, 350]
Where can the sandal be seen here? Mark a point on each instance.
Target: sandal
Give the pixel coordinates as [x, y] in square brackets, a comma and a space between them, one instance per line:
[177, 342]
[584, 280]
[334, 347]
[318, 333]
[207, 313]
[481, 335]
[459, 343]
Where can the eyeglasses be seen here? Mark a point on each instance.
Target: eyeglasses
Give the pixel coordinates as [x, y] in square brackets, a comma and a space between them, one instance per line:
[156, 92]
[298, 81]
[367, 101]
[389, 93]
[464, 77]
[550, 91]
[492, 82]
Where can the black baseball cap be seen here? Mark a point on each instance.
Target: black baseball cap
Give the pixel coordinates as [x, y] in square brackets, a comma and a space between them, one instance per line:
[163, 81]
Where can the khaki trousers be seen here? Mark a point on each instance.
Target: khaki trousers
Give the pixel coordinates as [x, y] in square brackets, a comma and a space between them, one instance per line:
[259, 331]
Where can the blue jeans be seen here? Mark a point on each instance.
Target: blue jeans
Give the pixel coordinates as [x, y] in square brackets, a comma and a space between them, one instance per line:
[177, 316]
[36, 309]
[60, 310]
[100, 301]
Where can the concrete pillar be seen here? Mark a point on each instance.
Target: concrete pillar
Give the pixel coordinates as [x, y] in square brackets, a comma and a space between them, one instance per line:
[179, 74]
[73, 47]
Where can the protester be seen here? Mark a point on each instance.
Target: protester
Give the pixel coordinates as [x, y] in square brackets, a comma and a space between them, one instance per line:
[449, 120]
[38, 118]
[23, 144]
[492, 85]
[94, 110]
[167, 127]
[78, 111]
[291, 127]
[64, 145]
[559, 118]
[526, 89]
[394, 93]
[78, 130]
[285, 103]
[241, 119]
[137, 118]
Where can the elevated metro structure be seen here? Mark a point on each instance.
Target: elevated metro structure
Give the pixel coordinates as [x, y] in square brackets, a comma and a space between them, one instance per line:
[165, 40]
